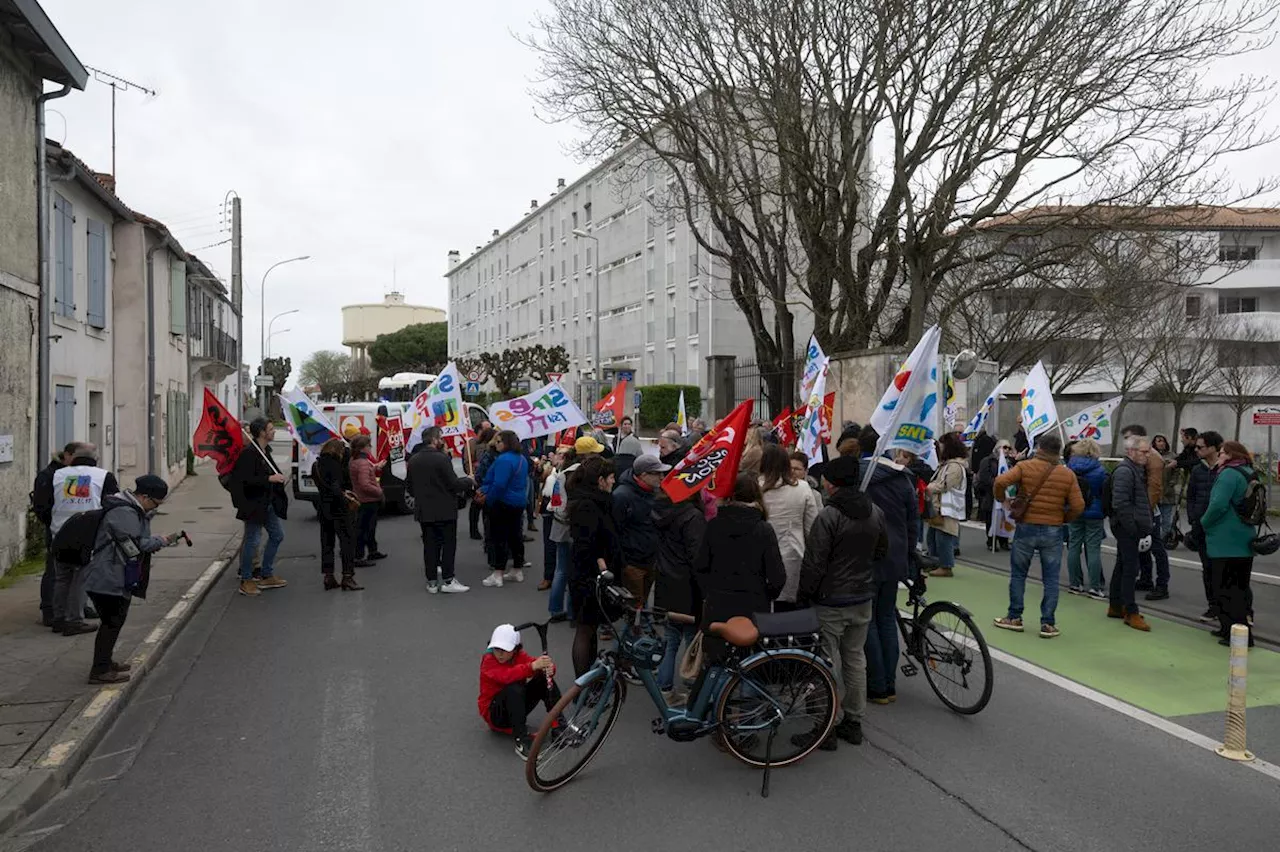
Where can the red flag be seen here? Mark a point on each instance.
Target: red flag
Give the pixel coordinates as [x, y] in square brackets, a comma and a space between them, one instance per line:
[713, 460]
[219, 436]
[565, 438]
[608, 412]
[783, 429]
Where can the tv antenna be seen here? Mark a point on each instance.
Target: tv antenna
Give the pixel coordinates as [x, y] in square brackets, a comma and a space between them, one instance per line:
[116, 84]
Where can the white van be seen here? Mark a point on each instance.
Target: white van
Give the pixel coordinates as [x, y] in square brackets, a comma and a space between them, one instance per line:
[365, 416]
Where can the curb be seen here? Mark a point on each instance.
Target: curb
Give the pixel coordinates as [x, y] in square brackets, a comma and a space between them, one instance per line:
[58, 765]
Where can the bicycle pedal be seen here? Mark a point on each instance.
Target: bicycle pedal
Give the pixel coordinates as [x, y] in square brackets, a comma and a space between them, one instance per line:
[659, 726]
[909, 670]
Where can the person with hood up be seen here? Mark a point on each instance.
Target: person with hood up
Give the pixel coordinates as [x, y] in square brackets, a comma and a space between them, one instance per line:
[595, 549]
[1086, 532]
[512, 684]
[681, 528]
[791, 507]
[838, 579]
[892, 489]
[633, 515]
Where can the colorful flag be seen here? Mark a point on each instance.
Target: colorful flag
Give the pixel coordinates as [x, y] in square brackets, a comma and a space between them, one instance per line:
[1002, 526]
[546, 410]
[391, 434]
[828, 412]
[308, 427]
[811, 430]
[1039, 414]
[681, 420]
[1094, 422]
[713, 461]
[980, 419]
[440, 405]
[219, 436]
[949, 394]
[783, 428]
[815, 361]
[608, 411]
[907, 416]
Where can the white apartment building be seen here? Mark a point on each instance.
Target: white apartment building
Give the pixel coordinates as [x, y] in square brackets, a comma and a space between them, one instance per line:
[664, 305]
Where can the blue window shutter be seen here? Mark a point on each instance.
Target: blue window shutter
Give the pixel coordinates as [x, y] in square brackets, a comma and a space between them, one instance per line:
[97, 313]
[64, 241]
[177, 297]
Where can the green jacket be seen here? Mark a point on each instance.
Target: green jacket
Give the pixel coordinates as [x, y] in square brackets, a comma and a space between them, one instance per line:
[1225, 535]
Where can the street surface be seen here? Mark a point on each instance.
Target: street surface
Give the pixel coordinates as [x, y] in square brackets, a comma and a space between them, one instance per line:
[310, 720]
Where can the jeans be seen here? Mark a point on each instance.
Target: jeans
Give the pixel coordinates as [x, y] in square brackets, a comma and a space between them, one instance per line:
[1159, 554]
[1125, 574]
[113, 610]
[367, 530]
[548, 550]
[439, 548]
[1029, 540]
[68, 594]
[275, 535]
[1166, 517]
[1235, 598]
[676, 635]
[1085, 535]
[942, 547]
[844, 633]
[560, 581]
[512, 706]
[507, 533]
[882, 638]
[334, 529]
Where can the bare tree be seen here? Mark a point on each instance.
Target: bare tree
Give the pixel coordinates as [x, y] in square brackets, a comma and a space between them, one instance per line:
[766, 111]
[1247, 366]
[1182, 366]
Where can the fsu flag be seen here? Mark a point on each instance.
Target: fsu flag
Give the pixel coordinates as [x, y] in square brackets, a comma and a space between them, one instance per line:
[219, 436]
[713, 460]
[828, 411]
[608, 411]
[783, 428]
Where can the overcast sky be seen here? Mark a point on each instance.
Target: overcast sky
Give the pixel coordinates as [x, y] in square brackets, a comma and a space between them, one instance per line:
[370, 136]
[367, 135]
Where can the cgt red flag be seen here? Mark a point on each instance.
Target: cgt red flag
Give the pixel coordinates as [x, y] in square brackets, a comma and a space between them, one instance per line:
[608, 412]
[783, 428]
[219, 436]
[713, 460]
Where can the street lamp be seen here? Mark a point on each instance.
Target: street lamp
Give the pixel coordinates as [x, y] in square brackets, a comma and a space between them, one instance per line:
[272, 324]
[262, 315]
[578, 233]
[271, 336]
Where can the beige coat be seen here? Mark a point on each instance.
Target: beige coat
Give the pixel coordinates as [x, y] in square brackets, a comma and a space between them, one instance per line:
[949, 476]
[791, 509]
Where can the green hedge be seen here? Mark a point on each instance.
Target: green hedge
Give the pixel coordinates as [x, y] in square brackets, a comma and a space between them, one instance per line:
[659, 403]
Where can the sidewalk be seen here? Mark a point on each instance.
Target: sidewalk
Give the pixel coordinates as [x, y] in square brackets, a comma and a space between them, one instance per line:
[50, 717]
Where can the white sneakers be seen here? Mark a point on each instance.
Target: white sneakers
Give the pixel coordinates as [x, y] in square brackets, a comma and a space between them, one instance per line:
[494, 580]
[453, 587]
[515, 575]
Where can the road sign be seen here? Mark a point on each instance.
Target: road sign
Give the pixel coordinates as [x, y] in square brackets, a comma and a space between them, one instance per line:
[555, 377]
[522, 386]
[475, 376]
[472, 388]
[264, 381]
[637, 399]
[626, 375]
[1266, 417]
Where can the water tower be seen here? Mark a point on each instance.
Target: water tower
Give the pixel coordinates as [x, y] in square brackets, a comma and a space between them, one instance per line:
[361, 324]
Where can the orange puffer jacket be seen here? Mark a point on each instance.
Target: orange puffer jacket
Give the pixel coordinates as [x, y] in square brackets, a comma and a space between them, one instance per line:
[1054, 491]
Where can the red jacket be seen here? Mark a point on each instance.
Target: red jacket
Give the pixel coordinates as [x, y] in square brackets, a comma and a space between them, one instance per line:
[495, 675]
[364, 479]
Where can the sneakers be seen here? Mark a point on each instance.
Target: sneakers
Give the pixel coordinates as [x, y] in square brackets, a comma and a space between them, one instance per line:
[433, 587]
[543, 585]
[453, 587]
[362, 563]
[877, 697]
[75, 628]
[1209, 616]
[248, 588]
[272, 583]
[377, 554]
[108, 677]
[1099, 595]
[516, 575]
[524, 745]
[494, 580]
[1048, 631]
[1159, 593]
[1137, 622]
[1014, 624]
[849, 731]
[941, 572]
[1115, 611]
[1075, 590]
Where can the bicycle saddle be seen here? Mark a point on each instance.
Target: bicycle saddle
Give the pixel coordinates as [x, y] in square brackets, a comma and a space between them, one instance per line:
[739, 631]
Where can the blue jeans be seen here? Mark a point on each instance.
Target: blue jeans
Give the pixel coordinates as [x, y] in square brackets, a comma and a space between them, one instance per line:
[942, 547]
[1085, 535]
[560, 582]
[1028, 540]
[676, 634]
[275, 535]
[882, 638]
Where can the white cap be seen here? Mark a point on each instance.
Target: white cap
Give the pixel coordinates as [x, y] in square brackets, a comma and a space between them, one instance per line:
[505, 638]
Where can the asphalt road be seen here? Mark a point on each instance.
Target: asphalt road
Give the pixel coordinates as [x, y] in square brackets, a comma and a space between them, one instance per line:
[310, 720]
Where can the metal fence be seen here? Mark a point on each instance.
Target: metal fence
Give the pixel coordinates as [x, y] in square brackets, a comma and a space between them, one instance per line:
[767, 388]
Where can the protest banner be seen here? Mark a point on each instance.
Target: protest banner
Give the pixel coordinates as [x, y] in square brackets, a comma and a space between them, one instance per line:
[546, 410]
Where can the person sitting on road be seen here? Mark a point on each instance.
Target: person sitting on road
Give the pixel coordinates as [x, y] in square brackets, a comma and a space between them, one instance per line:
[512, 683]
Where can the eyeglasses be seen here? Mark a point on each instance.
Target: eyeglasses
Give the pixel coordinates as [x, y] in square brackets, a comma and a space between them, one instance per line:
[1201, 447]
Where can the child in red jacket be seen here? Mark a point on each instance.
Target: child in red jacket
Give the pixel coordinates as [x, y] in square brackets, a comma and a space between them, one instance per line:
[512, 683]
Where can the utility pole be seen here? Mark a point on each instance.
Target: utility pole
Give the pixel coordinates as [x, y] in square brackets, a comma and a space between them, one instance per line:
[116, 83]
[237, 295]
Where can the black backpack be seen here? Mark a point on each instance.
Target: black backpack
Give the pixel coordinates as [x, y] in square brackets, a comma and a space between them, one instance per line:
[75, 541]
[1108, 496]
[1252, 509]
[1086, 490]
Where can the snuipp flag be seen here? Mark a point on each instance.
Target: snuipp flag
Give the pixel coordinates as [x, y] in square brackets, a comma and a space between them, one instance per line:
[815, 362]
[980, 419]
[713, 460]
[608, 412]
[1039, 414]
[811, 431]
[219, 436]
[308, 426]
[1094, 422]
[440, 405]
[907, 416]
[546, 410]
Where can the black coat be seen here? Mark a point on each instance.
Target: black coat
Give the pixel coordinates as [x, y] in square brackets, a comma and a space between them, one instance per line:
[893, 490]
[983, 446]
[681, 528]
[252, 492]
[984, 488]
[595, 537]
[435, 487]
[1198, 490]
[847, 537]
[331, 478]
[739, 568]
[42, 492]
[633, 516]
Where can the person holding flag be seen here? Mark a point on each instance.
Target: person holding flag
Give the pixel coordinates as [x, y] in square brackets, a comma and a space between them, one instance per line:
[258, 493]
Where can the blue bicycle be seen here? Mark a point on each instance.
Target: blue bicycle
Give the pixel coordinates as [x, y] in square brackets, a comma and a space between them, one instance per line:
[769, 701]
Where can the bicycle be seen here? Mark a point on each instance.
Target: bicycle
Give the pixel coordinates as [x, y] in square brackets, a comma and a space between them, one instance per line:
[945, 649]
[768, 683]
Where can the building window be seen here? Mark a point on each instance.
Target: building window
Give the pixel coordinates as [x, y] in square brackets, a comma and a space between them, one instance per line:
[553, 234]
[694, 324]
[671, 316]
[575, 219]
[694, 377]
[1193, 307]
[671, 366]
[575, 263]
[97, 248]
[64, 297]
[649, 309]
[671, 221]
[693, 257]
[1237, 304]
[177, 297]
[1228, 254]
[650, 176]
[64, 415]
[553, 313]
[542, 320]
[671, 270]
[588, 257]
[649, 226]
[586, 210]
[650, 272]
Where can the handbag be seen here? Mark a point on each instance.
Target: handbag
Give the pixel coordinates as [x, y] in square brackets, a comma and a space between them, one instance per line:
[1020, 503]
[691, 662]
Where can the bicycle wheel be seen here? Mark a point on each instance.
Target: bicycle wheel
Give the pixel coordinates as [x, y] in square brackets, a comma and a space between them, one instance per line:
[954, 657]
[557, 756]
[788, 688]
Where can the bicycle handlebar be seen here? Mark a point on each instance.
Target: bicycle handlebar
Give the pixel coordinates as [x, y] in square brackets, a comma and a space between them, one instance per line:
[541, 627]
[624, 595]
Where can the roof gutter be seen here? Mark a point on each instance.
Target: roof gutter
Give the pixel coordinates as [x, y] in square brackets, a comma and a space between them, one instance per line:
[44, 275]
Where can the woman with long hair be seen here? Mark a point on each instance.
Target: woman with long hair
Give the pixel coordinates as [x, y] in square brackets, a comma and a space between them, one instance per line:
[368, 490]
[477, 448]
[946, 491]
[333, 482]
[790, 506]
[595, 549]
[1228, 539]
[505, 495]
[1169, 496]
[752, 451]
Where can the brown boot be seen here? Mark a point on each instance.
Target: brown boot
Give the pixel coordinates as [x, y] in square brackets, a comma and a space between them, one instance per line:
[349, 583]
[941, 572]
[330, 582]
[249, 588]
[1137, 622]
[1115, 611]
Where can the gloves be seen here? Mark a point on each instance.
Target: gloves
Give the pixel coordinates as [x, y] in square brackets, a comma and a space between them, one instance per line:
[1144, 544]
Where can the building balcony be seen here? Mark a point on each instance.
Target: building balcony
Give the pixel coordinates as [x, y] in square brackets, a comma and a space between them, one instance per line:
[1258, 326]
[1251, 275]
[214, 352]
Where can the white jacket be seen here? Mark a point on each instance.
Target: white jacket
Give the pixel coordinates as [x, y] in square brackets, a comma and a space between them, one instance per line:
[792, 510]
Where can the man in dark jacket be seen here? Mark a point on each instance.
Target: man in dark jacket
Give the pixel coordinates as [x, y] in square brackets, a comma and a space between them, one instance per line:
[1189, 457]
[257, 492]
[1200, 484]
[42, 507]
[680, 528]
[893, 490]
[633, 513]
[1131, 522]
[838, 579]
[436, 490]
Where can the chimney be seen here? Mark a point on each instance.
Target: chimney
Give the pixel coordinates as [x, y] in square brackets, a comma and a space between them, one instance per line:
[477, 249]
[108, 181]
[533, 204]
[454, 258]
[559, 184]
[494, 236]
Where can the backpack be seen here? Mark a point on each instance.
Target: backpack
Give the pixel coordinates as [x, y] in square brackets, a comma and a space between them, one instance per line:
[75, 541]
[1108, 496]
[1252, 509]
[1086, 490]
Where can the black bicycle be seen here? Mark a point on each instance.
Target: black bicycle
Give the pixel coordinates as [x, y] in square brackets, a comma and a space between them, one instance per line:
[943, 638]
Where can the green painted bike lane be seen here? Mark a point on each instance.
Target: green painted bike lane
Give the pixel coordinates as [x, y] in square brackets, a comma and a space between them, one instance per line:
[1175, 670]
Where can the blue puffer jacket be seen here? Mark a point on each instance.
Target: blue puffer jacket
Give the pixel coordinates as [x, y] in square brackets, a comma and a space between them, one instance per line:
[1092, 472]
[507, 480]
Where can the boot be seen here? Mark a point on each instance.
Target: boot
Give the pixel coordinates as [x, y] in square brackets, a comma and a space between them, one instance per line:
[349, 583]
[330, 582]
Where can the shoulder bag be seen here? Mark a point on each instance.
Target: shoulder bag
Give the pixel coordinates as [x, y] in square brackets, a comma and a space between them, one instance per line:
[1021, 502]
